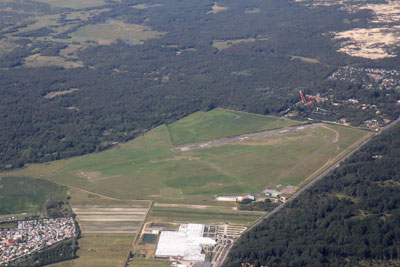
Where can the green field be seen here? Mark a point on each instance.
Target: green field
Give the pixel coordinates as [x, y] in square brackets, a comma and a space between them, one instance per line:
[97, 250]
[150, 263]
[108, 33]
[204, 126]
[26, 195]
[146, 168]
[210, 215]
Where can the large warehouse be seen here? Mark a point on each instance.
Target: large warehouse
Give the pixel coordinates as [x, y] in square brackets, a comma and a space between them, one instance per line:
[186, 243]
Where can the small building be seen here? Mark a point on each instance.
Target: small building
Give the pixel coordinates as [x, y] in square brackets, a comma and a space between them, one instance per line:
[274, 195]
[227, 198]
[246, 199]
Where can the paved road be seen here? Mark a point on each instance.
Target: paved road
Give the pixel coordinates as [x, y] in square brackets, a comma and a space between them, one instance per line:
[310, 184]
[246, 137]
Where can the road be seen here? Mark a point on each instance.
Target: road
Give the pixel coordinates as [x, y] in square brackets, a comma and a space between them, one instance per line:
[235, 139]
[310, 184]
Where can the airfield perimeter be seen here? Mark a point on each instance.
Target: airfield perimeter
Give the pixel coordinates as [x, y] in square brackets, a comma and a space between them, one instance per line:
[148, 180]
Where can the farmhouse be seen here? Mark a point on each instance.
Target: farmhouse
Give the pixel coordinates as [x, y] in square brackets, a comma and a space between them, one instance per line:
[187, 243]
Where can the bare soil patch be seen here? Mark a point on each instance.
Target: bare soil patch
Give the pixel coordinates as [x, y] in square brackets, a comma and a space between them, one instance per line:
[58, 93]
[216, 8]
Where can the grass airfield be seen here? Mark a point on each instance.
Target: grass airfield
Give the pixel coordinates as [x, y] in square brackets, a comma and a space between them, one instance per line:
[147, 168]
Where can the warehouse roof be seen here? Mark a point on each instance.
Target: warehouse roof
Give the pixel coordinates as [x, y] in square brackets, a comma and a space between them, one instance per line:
[187, 243]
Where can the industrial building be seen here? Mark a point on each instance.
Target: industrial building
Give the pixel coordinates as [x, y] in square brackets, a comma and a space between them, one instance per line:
[187, 243]
[243, 198]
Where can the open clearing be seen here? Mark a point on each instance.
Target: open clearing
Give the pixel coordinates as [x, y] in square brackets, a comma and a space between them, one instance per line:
[147, 168]
[216, 8]
[38, 60]
[99, 250]
[224, 44]
[305, 59]
[373, 42]
[205, 126]
[58, 93]
[25, 195]
[70, 27]
[76, 4]
[109, 32]
[255, 10]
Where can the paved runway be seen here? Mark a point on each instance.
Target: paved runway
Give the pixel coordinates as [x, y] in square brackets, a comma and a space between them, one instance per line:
[235, 139]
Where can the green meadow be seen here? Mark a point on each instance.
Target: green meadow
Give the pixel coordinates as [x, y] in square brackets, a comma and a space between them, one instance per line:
[27, 195]
[147, 168]
[204, 126]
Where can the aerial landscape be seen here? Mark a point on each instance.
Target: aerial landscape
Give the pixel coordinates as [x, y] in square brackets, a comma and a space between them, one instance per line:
[199, 133]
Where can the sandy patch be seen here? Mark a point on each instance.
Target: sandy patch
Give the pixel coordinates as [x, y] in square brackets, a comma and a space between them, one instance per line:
[7, 46]
[385, 13]
[145, 6]
[73, 108]
[376, 42]
[373, 43]
[58, 93]
[70, 51]
[216, 8]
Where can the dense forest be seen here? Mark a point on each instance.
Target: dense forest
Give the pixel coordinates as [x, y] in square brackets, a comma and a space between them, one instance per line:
[350, 218]
[125, 89]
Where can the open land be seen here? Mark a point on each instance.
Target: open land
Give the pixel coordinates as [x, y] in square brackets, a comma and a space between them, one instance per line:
[205, 126]
[70, 27]
[278, 154]
[217, 8]
[101, 250]
[24, 195]
[147, 168]
[77, 4]
[224, 44]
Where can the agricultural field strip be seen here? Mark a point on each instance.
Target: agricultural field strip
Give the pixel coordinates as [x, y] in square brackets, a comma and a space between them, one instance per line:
[113, 218]
[182, 205]
[235, 139]
[101, 219]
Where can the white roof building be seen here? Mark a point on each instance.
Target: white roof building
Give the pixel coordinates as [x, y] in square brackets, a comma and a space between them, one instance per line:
[186, 243]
